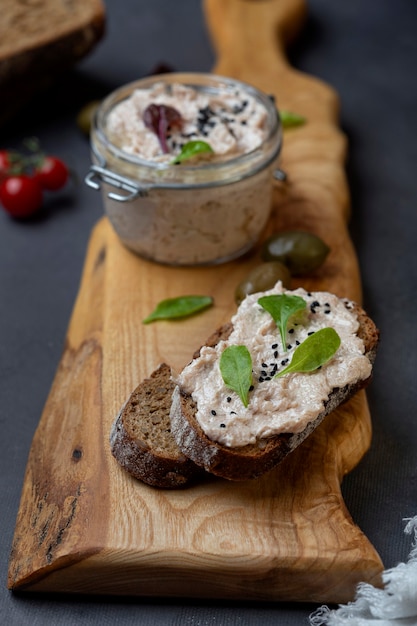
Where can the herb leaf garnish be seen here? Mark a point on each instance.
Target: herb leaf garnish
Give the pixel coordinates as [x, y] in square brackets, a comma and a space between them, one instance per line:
[174, 308]
[281, 307]
[160, 118]
[314, 352]
[236, 370]
[190, 150]
[290, 119]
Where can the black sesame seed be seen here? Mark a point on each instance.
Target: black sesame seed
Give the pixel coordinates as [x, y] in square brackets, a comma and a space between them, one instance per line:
[222, 425]
[311, 332]
[297, 343]
[206, 113]
[264, 365]
[263, 372]
[284, 362]
[260, 379]
[267, 378]
[276, 354]
[213, 412]
[274, 345]
[229, 399]
[289, 346]
[188, 135]
[327, 311]
[291, 331]
[251, 388]
[309, 293]
[233, 413]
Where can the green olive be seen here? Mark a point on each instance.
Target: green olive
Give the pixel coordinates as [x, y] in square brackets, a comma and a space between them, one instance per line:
[302, 252]
[261, 278]
[85, 116]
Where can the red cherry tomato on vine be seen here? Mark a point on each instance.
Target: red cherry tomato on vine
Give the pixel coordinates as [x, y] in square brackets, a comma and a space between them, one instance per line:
[52, 174]
[21, 196]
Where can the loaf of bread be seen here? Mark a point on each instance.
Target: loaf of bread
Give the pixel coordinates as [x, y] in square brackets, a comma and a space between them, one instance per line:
[249, 452]
[40, 40]
[141, 438]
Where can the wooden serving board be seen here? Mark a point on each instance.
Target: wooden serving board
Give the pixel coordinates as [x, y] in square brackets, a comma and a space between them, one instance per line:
[86, 526]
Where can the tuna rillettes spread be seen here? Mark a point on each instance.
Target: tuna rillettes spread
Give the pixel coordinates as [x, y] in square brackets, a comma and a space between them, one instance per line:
[231, 123]
[277, 405]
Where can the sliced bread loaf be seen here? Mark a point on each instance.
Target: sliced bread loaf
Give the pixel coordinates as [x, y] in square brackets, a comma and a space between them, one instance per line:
[39, 40]
[250, 460]
[141, 438]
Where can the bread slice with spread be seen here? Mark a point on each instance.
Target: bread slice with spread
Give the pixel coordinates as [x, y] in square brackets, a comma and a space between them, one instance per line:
[210, 422]
[141, 439]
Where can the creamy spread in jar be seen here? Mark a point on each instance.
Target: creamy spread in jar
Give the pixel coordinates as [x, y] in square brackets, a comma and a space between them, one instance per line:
[276, 405]
[209, 209]
[232, 123]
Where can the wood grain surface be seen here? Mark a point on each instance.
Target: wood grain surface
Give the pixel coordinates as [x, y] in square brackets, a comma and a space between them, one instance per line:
[86, 526]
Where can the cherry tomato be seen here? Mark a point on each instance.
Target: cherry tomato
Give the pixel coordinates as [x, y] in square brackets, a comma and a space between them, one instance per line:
[21, 196]
[52, 174]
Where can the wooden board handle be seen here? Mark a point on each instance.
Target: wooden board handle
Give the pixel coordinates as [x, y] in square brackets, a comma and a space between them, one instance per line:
[250, 37]
[237, 29]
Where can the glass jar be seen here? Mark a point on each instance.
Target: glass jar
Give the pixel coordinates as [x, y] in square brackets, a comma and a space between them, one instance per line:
[195, 213]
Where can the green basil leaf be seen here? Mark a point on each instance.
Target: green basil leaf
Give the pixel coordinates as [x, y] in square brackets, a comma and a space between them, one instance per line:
[190, 150]
[314, 352]
[281, 307]
[290, 119]
[174, 308]
[236, 370]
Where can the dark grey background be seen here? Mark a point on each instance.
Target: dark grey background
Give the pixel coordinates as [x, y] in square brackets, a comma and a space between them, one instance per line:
[368, 52]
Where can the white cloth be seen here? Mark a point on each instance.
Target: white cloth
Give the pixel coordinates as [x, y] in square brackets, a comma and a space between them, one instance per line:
[394, 605]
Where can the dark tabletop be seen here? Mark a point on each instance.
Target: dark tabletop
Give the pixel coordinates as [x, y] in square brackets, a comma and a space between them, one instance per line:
[368, 52]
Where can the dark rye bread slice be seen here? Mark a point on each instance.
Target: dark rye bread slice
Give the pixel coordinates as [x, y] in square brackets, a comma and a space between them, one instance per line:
[251, 461]
[141, 438]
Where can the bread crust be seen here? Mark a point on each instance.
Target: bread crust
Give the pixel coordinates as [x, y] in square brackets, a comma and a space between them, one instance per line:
[154, 459]
[253, 460]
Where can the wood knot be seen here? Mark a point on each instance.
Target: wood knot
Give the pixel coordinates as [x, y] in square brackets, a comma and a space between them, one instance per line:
[77, 454]
[101, 257]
